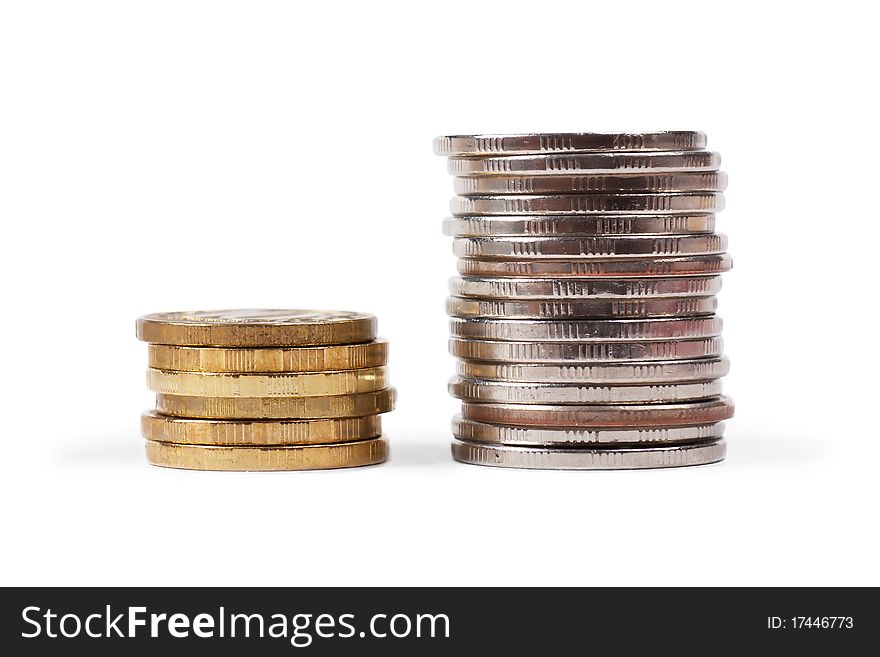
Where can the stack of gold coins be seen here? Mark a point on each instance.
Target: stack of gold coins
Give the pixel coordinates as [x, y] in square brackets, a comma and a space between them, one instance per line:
[265, 389]
[584, 316]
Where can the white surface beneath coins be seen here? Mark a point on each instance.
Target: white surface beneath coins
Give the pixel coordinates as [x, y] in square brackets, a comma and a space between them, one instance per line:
[120, 152]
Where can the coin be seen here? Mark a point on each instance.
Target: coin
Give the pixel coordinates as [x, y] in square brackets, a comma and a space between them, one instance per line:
[598, 224]
[668, 456]
[165, 429]
[679, 140]
[251, 459]
[257, 328]
[596, 416]
[587, 247]
[586, 162]
[275, 384]
[572, 354]
[586, 203]
[664, 371]
[267, 359]
[480, 432]
[572, 288]
[581, 331]
[506, 392]
[661, 183]
[589, 308]
[244, 408]
[682, 266]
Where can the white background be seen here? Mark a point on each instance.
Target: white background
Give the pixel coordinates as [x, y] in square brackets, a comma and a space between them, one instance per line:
[178, 155]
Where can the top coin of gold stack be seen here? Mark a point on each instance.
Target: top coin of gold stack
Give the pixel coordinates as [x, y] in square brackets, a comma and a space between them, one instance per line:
[265, 389]
[583, 316]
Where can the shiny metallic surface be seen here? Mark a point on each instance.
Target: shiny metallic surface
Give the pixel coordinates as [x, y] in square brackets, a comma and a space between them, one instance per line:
[599, 267]
[667, 456]
[581, 308]
[664, 371]
[266, 459]
[584, 320]
[510, 392]
[587, 204]
[262, 390]
[597, 288]
[586, 225]
[481, 432]
[520, 248]
[552, 164]
[574, 354]
[594, 331]
[596, 416]
[661, 183]
[679, 140]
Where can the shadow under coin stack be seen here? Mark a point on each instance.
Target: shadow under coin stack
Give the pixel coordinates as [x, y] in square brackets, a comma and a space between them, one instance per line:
[265, 390]
[583, 319]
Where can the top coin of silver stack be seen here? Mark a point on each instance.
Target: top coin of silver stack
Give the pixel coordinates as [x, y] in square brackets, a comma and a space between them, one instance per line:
[584, 314]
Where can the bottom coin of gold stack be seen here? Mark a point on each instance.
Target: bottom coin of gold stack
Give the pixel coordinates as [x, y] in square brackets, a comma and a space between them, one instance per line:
[251, 459]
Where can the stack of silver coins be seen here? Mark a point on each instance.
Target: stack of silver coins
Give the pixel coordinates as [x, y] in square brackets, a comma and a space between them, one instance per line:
[583, 319]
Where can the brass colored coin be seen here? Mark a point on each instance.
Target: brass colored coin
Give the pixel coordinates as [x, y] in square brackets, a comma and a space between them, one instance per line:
[166, 429]
[245, 408]
[257, 328]
[252, 459]
[624, 415]
[661, 183]
[267, 359]
[277, 384]
[581, 309]
[617, 267]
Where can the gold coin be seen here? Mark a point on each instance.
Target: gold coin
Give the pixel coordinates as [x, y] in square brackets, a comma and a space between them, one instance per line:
[165, 429]
[257, 328]
[310, 457]
[246, 408]
[278, 384]
[267, 359]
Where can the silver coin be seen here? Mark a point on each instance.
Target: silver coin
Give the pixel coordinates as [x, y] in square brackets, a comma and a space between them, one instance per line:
[624, 458]
[678, 140]
[664, 371]
[596, 416]
[661, 183]
[587, 331]
[586, 204]
[585, 309]
[584, 162]
[599, 267]
[573, 353]
[574, 288]
[516, 248]
[506, 392]
[599, 225]
[481, 432]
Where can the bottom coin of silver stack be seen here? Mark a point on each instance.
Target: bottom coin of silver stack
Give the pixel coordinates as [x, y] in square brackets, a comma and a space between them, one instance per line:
[583, 319]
